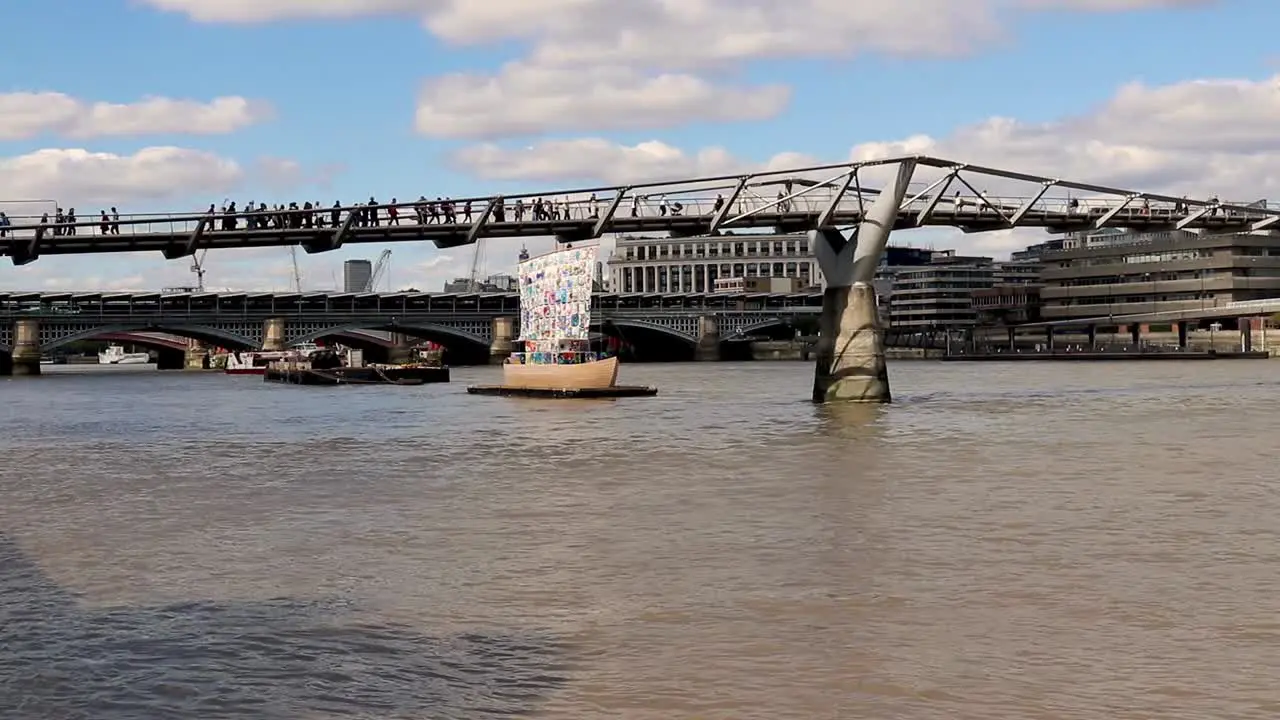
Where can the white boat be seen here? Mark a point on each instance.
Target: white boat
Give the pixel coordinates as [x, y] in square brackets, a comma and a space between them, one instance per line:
[555, 326]
[251, 362]
[115, 355]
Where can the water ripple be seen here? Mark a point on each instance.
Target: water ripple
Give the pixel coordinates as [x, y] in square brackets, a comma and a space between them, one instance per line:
[1053, 541]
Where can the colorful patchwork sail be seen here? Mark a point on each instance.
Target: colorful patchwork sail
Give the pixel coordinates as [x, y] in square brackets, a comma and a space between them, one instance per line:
[555, 325]
[555, 300]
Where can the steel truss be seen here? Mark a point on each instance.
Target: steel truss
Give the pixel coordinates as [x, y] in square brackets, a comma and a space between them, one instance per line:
[822, 197]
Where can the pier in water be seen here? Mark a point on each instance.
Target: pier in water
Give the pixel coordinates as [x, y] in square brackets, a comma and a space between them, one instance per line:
[1040, 540]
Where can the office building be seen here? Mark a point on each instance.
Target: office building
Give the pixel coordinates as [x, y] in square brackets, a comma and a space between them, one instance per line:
[1107, 274]
[356, 275]
[492, 284]
[692, 265]
[939, 294]
[1033, 253]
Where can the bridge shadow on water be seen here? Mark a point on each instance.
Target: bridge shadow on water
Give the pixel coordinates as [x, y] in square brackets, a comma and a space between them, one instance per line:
[270, 660]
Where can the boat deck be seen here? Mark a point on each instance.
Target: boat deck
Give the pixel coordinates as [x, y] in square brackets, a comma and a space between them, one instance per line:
[303, 375]
[616, 391]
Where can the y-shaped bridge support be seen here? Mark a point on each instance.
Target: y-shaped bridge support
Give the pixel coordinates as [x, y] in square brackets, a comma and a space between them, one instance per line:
[850, 352]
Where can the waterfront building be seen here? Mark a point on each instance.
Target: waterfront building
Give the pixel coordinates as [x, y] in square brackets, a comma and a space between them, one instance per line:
[1118, 273]
[939, 294]
[493, 283]
[692, 265]
[1033, 253]
[1007, 304]
[356, 275]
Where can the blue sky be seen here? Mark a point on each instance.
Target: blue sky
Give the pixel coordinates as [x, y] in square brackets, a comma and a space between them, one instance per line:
[335, 85]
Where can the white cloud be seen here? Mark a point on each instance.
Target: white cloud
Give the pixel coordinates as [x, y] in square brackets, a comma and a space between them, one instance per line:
[281, 175]
[1199, 137]
[607, 65]
[76, 176]
[26, 115]
[595, 159]
[527, 99]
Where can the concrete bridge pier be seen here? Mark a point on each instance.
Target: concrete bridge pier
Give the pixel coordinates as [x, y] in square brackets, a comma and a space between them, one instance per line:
[1246, 334]
[26, 347]
[850, 352]
[196, 357]
[708, 347]
[273, 335]
[504, 335]
[401, 350]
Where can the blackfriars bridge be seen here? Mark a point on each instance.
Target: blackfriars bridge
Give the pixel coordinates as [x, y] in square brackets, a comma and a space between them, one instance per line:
[474, 325]
[848, 222]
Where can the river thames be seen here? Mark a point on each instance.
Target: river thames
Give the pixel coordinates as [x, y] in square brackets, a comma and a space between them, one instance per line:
[1037, 540]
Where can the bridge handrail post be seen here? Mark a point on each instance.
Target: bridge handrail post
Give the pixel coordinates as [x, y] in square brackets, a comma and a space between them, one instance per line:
[826, 216]
[783, 199]
[477, 225]
[720, 215]
[612, 210]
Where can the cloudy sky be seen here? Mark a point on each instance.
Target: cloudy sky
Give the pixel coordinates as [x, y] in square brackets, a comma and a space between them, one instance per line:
[155, 105]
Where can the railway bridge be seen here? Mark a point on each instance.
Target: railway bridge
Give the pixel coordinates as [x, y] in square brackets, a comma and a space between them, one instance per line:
[474, 327]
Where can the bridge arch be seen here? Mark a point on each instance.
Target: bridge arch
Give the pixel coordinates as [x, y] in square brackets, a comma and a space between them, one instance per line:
[204, 334]
[460, 346]
[361, 338]
[428, 331]
[643, 325]
[143, 339]
[646, 341]
[755, 327]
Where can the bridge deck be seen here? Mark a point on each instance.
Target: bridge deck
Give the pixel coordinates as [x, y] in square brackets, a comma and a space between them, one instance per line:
[683, 208]
[16, 305]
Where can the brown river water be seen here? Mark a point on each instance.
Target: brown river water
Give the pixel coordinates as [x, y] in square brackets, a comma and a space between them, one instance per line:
[1047, 541]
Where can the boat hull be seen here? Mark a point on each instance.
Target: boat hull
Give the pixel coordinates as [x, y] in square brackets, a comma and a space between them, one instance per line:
[246, 371]
[138, 359]
[593, 375]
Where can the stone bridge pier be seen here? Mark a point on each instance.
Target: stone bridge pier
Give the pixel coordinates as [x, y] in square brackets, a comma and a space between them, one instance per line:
[707, 348]
[850, 351]
[273, 335]
[401, 350]
[504, 336]
[196, 356]
[26, 347]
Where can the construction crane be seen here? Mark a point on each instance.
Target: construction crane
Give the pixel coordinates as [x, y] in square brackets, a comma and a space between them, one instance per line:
[379, 269]
[477, 257]
[297, 274]
[197, 267]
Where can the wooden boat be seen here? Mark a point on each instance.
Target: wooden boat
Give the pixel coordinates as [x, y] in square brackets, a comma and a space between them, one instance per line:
[555, 357]
[585, 375]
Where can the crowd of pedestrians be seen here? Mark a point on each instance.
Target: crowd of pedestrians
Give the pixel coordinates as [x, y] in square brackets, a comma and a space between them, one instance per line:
[232, 216]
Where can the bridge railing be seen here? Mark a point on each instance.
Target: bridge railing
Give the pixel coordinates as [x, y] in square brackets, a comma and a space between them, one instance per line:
[580, 208]
[458, 217]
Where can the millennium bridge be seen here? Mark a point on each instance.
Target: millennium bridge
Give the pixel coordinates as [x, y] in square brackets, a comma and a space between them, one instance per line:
[848, 222]
[472, 325]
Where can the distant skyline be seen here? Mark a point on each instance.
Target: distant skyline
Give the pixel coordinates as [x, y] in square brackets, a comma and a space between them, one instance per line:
[153, 105]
